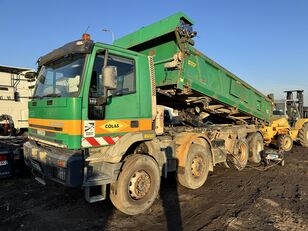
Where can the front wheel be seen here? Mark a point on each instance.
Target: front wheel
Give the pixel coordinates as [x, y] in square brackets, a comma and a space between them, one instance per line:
[285, 142]
[196, 168]
[137, 186]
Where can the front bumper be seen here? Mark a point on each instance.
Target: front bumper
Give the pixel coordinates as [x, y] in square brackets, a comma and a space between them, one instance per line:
[57, 164]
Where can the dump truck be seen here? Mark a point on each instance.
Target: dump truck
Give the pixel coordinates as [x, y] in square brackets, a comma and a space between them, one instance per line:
[289, 122]
[97, 117]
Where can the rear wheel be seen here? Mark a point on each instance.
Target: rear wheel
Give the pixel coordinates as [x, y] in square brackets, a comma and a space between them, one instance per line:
[256, 146]
[196, 168]
[240, 155]
[285, 142]
[303, 135]
[137, 186]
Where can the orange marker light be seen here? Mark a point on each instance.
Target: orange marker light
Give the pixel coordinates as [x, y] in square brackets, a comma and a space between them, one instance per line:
[61, 163]
[86, 36]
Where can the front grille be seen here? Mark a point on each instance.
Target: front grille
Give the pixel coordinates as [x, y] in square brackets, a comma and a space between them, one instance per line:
[60, 173]
[59, 129]
[50, 134]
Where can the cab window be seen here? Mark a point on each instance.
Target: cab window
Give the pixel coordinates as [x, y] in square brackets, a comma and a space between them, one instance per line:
[126, 82]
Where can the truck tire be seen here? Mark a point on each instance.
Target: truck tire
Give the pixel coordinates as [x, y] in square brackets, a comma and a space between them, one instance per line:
[137, 186]
[303, 135]
[285, 142]
[240, 155]
[197, 165]
[256, 146]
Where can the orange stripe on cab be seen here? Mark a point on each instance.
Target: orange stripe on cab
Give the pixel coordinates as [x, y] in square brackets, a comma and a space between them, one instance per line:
[71, 127]
[76, 127]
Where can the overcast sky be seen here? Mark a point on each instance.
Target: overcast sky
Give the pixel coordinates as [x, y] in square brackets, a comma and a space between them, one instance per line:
[264, 42]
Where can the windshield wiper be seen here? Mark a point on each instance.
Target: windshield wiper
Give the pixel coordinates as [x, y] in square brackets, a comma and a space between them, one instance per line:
[36, 97]
[52, 95]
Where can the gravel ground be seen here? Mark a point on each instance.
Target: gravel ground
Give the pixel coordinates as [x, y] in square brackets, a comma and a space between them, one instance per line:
[274, 199]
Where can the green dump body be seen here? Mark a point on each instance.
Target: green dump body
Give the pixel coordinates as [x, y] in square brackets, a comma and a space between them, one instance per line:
[179, 65]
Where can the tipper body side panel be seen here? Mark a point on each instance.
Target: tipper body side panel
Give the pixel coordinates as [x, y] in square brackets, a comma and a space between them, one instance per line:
[178, 65]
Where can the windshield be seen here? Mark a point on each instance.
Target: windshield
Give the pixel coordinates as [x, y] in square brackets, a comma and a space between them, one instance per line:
[61, 77]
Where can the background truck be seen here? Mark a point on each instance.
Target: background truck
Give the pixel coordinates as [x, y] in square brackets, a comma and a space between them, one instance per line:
[15, 92]
[97, 115]
[11, 156]
[289, 122]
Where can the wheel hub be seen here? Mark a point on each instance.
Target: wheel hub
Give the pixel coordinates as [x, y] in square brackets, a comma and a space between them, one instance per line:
[197, 166]
[139, 184]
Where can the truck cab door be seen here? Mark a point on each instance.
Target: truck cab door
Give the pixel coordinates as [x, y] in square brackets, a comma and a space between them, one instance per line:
[120, 111]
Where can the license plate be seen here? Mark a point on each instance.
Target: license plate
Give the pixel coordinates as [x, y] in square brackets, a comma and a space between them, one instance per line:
[3, 162]
[41, 132]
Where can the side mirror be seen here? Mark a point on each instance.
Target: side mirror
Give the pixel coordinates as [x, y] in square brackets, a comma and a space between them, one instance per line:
[109, 74]
[30, 75]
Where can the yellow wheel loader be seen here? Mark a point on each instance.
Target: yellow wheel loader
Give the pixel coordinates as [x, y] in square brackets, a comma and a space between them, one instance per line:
[289, 122]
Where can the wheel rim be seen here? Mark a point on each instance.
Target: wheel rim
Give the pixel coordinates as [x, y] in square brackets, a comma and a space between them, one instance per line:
[139, 185]
[197, 166]
[287, 143]
[242, 153]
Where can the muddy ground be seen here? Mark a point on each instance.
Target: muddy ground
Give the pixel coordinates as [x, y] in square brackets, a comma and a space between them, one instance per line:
[275, 199]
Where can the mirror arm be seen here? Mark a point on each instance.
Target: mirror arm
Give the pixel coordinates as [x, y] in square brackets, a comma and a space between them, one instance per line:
[106, 58]
[100, 101]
